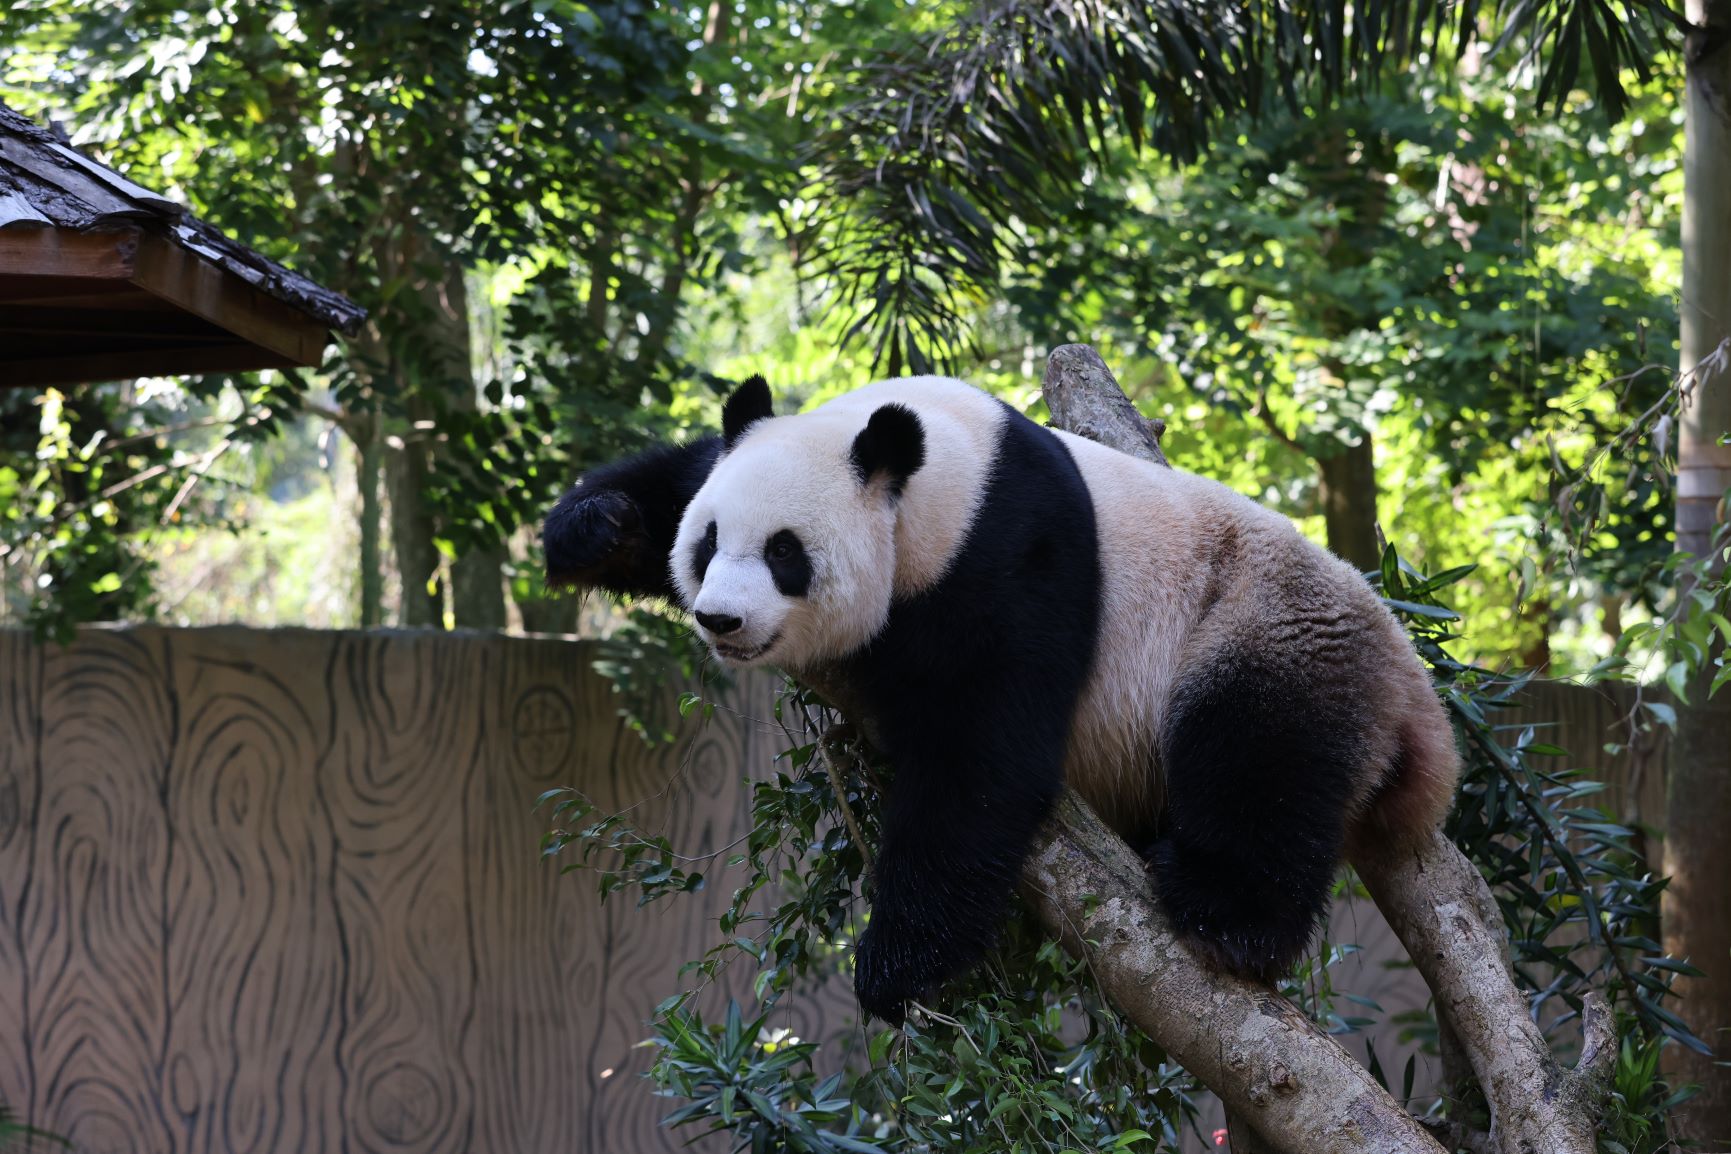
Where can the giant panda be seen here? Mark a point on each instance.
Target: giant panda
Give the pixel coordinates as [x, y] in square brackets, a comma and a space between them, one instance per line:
[1009, 608]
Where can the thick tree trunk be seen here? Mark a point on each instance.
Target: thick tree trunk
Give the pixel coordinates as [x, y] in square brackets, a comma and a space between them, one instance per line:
[395, 350]
[1536, 654]
[423, 357]
[478, 589]
[1349, 503]
[541, 610]
[1697, 906]
[1347, 170]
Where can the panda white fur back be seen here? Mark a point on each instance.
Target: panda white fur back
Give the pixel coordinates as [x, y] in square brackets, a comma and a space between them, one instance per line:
[1179, 549]
[1014, 607]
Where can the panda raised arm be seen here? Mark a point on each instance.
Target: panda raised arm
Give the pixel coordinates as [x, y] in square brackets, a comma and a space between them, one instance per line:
[1013, 608]
[614, 529]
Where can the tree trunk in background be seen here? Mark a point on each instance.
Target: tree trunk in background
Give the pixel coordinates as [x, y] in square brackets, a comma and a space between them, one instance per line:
[1349, 174]
[1697, 906]
[1536, 653]
[406, 472]
[372, 583]
[428, 361]
[1349, 503]
[549, 614]
[477, 575]
[478, 589]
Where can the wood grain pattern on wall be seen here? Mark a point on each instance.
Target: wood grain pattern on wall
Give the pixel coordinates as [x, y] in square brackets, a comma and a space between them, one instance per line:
[280, 891]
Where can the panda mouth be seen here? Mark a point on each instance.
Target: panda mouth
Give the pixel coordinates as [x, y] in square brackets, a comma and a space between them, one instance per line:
[739, 653]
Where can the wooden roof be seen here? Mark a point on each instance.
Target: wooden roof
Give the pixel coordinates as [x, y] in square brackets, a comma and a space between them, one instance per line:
[101, 279]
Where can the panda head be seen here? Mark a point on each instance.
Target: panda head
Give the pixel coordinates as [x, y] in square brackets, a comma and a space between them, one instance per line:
[786, 555]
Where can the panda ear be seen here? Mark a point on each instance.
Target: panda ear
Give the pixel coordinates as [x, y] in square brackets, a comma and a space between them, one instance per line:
[892, 446]
[749, 402]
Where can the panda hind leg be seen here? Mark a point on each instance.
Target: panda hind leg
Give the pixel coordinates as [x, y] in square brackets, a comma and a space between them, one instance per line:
[1259, 775]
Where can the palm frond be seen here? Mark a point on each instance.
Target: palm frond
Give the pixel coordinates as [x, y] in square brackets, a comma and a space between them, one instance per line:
[991, 124]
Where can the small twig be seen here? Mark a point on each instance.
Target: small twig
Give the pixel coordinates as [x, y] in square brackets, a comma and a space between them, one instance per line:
[163, 431]
[1261, 412]
[334, 415]
[836, 783]
[139, 478]
[192, 481]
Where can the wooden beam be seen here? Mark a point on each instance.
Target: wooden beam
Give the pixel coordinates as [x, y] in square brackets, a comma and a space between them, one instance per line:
[174, 361]
[133, 324]
[195, 284]
[31, 252]
[78, 292]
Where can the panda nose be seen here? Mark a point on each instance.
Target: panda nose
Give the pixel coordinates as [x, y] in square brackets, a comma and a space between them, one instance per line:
[718, 623]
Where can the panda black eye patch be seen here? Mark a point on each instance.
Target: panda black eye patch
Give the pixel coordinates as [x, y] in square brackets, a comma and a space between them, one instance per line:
[785, 555]
[704, 553]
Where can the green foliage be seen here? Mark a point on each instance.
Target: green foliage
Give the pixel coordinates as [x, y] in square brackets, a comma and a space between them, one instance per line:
[15, 1135]
[1641, 1100]
[1034, 1057]
[1001, 119]
[1442, 270]
[1688, 631]
[756, 1085]
[573, 175]
[646, 863]
[1030, 1061]
[95, 482]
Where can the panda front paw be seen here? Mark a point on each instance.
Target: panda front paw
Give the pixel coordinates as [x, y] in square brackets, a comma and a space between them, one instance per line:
[887, 975]
[591, 537]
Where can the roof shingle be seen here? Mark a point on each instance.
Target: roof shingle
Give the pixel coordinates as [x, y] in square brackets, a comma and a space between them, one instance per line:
[45, 183]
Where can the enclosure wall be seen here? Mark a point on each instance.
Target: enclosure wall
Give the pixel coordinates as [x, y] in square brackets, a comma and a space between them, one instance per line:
[279, 891]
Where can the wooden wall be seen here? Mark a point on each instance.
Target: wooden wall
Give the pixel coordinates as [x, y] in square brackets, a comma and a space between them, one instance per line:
[280, 892]
[273, 892]
[1584, 720]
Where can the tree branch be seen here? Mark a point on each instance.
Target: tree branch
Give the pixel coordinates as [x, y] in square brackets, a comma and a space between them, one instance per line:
[1443, 912]
[1268, 1063]
[1084, 399]
[1266, 416]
